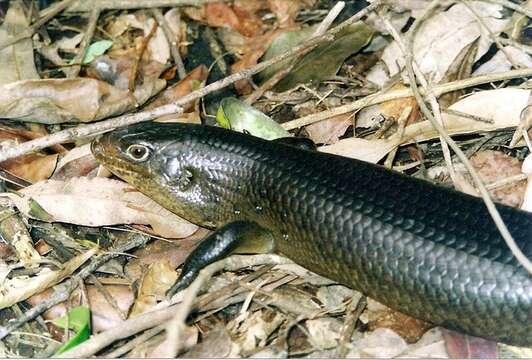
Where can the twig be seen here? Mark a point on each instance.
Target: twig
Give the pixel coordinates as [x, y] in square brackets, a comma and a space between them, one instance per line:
[354, 312]
[403, 118]
[468, 116]
[28, 32]
[506, 181]
[512, 6]
[523, 260]
[516, 44]
[78, 59]
[490, 33]
[138, 58]
[171, 38]
[70, 285]
[279, 75]
[397, 94]
[408, 50]
[84, 6]
[141, 339]
[165, 310]
[102, 126]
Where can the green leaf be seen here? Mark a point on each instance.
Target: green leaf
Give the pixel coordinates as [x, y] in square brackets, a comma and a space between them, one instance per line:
[77, 319]
[239, 116]
[324, 61]
[96, 49]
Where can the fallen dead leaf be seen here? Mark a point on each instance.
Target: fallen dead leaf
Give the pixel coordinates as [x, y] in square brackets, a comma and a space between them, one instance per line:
[493, 166]
[285, 11]
[77, 162]
[53, 101]
[191, 82]
[328, 131]
[20, 288]
[17, 60]
[104, 316]
[441, 38]
[160, 276]
[99, 202]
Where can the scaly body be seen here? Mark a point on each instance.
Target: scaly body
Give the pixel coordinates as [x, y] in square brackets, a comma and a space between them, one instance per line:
[427, 251]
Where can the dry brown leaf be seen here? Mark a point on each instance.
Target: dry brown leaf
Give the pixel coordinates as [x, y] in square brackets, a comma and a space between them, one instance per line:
[328, 131]
[183, 87]
[77, 162]
[20, 288]
[220, 14]
[366, 118]
[53, 101]
[32, 167]
[160, 276]
[255, 49]
[99, 202]
[17, 60]
[495, 165]
[175, 252]
[285, 11]
[378, 316]
[502, 106]
[361, 149]
[103, 315]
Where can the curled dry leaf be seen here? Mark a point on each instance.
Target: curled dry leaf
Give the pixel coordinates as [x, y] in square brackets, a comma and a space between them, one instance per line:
[441, 38]
[77, 162]
[104, 316]
[53, 101]
[20, 288]
[502, 106]
[160, 276]
[99, 202]
[368, 117]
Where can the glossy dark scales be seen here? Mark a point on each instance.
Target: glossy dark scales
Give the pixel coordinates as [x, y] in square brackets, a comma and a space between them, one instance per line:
[427, 251]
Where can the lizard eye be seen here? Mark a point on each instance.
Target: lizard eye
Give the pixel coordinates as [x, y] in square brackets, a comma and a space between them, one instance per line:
[138, 152]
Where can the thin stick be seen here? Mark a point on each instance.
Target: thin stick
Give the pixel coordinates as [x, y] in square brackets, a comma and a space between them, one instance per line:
[279, 75]
[164, 311]
[171, 38]
[512, 6]
[28, 32]
[84, 6]
[141, 339]
[494, 213]
[397, 94]
[89, 33]
[68, 286]
[490, 33]
[138, 58]
[175, 108]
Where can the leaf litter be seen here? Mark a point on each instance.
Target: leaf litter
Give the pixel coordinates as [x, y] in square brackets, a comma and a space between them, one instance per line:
[128, 64]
